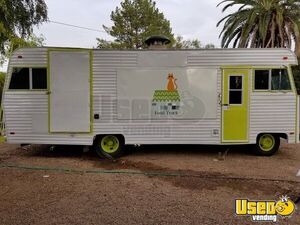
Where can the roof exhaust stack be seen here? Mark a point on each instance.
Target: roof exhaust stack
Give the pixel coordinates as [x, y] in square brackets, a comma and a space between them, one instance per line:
[157, 42]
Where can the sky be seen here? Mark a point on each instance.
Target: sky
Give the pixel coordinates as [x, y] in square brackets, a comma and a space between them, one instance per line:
[189, 18]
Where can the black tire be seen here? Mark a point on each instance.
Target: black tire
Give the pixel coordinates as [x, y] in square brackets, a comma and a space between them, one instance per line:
[267, 144]
[109, 146]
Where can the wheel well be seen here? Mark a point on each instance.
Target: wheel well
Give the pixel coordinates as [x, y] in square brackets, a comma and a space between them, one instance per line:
[121, 136]
[280, 135]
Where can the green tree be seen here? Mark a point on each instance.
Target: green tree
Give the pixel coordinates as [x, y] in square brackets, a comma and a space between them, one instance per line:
[104, 44]
[16, 42]
[17, 18]
[261, 24]
[296, 73]
[133, 22]
[209, 46]
[180, 43]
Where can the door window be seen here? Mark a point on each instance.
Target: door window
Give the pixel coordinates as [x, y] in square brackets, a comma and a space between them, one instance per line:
[236, 90]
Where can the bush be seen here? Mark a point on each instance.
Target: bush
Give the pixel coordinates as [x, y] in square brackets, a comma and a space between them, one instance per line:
[296, 73]
[2, 79]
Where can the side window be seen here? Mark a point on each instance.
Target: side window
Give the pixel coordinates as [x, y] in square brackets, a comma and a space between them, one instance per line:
[280, 80]
[19, 79]
[261, 80]
[39, 78]
[272, 79]
[28, 79]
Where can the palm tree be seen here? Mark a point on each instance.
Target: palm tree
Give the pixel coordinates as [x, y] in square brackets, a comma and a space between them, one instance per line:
[261, 24]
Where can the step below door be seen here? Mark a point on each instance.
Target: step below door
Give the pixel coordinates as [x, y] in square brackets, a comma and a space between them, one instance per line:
[69, 93]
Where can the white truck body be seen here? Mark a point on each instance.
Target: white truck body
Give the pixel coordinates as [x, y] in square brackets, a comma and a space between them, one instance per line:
[150, 97]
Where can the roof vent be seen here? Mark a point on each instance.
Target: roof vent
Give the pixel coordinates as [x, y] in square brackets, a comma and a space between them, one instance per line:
[157, 42]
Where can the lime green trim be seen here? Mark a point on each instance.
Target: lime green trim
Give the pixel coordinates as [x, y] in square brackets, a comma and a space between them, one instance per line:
[237, 67]
[266, 142]
[110, 144]
[91, 88]
[269, 90]
[68, 50]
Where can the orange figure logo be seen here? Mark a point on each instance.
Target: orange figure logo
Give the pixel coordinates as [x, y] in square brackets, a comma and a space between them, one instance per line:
[172, 85]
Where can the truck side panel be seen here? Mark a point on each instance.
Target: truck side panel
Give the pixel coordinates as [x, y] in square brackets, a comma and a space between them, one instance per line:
[105, 66]
[26, 112]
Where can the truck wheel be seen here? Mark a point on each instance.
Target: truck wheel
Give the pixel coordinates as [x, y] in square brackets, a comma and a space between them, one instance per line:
[109, 146]
[267, 145]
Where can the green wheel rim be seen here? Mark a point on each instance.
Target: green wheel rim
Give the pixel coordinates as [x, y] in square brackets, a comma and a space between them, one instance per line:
[266, 142]
[110, 144]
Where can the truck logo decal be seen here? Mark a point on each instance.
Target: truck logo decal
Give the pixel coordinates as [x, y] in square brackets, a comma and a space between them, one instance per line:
[167, 102]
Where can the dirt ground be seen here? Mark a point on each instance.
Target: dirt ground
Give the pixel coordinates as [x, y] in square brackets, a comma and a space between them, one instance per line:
[150, 185]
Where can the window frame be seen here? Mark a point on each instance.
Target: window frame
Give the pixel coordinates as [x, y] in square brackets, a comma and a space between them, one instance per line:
[269, 90]
[30, 67]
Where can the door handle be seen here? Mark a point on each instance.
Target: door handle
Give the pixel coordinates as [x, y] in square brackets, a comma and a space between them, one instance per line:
[48, 92]
[225, 104]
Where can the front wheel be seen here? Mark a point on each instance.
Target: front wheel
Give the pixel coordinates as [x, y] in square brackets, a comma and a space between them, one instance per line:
[109, 146]
[267, 144]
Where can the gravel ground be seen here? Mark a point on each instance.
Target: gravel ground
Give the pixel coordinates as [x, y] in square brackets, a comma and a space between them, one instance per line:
[67, 186]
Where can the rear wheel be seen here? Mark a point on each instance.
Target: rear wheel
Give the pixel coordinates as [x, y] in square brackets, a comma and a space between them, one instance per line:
[109, 146]
[267, 144]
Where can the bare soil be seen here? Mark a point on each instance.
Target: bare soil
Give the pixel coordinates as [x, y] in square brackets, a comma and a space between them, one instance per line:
[150, 185]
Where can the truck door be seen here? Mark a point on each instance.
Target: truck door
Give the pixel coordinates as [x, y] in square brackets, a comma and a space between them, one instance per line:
[69, 92]
[235, 119]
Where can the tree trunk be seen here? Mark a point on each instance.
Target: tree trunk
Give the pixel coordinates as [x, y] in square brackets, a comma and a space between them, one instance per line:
[273, 32]
[297, 46]
[252, 45]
